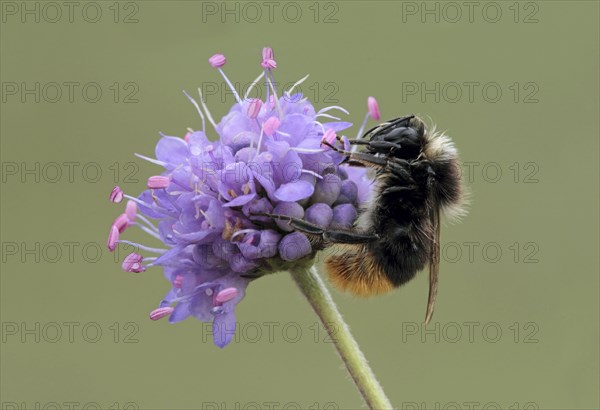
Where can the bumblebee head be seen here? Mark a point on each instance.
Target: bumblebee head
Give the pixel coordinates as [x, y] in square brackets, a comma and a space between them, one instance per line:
[402, 137]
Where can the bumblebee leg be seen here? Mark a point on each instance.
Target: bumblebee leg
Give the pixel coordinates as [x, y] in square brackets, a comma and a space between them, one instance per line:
[335, 236]
[326, 235]
[296, 223]
[379, 146]
[355, 142]
[398, 190]
[384, 145]
[400, 168]
[312, 231]
[361, 157]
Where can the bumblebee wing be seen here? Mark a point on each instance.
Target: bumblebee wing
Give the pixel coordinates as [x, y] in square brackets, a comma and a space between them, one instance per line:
[434, 260]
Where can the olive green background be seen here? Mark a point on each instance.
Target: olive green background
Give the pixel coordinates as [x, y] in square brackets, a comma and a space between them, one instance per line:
[550, 292]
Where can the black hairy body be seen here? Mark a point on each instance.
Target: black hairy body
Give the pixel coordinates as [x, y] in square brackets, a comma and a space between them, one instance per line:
[417, 178]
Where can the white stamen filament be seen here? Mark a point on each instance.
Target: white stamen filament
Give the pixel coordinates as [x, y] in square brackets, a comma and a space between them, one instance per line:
[237, 97]
[242, 232]
[296, 84]
[308, 150]
[142, 247]
[307, 171]
[148, 231]
[136, 200]
[274, 96]
[152, 160]
[140, 202]
[253, 85]
[147, 222]
[320, 125]
[259, 142]
[197, 109]
[360, 132]
[336, 107]
[267, 91]
[210, 118]
[327, 116]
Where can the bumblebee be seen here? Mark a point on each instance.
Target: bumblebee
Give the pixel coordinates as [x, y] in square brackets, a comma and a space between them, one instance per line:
[417, 179]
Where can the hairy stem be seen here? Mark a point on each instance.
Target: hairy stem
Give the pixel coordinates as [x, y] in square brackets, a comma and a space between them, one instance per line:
[312, 286]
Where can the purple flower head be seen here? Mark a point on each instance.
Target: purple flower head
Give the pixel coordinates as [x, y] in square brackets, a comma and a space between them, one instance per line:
[208, 205]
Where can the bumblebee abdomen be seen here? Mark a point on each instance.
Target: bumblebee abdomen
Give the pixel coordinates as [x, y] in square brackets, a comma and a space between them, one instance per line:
[355, 270]
[379, 266]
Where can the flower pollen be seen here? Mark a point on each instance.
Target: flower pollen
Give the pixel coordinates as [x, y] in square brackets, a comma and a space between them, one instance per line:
[268, 58]
[373, 108]
[271, 125]
[158, 182]
[133, 263]
[254, 108]
[217, 60]
[116, 195]
[113, 237]
[159, 313]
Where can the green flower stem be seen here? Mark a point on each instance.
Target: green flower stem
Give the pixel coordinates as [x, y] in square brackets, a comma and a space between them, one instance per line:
[312, 286]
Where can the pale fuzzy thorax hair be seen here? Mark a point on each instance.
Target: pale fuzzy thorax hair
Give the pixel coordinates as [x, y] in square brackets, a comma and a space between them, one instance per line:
[440, 147]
